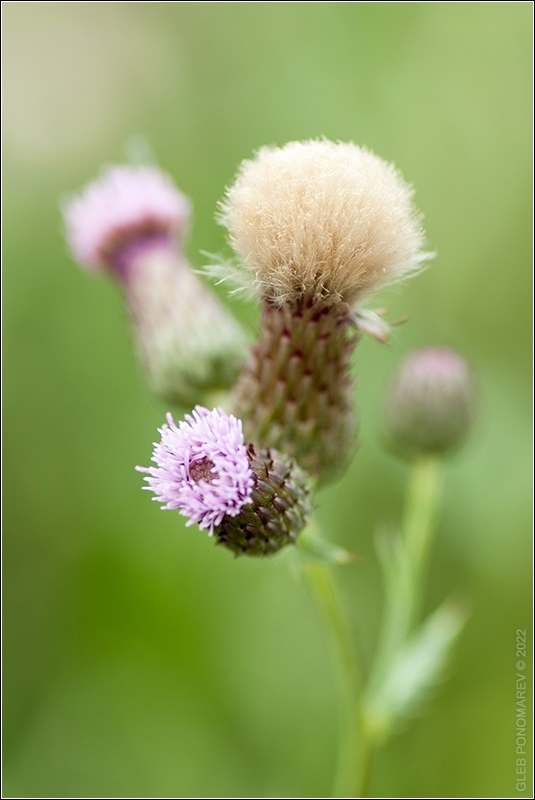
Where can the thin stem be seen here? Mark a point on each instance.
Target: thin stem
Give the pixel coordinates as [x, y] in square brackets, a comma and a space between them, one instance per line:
[321, 581]
[418, 527]
[367, 758]
[367, 719]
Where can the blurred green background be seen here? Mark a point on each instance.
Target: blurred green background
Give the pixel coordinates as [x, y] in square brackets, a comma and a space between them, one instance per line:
[140, 660]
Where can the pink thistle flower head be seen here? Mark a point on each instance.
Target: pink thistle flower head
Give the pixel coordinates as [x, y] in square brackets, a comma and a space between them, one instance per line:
[202, 469]
[126, 205]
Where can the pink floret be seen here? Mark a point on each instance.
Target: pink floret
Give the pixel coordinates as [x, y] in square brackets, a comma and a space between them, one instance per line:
[122, 203]
[204, 437]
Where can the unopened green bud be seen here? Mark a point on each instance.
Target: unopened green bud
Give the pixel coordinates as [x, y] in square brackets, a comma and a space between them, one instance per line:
[430, 408]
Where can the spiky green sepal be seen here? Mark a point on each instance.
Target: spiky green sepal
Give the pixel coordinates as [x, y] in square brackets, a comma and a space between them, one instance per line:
[189, 344]
[280, 508]
[296, 392]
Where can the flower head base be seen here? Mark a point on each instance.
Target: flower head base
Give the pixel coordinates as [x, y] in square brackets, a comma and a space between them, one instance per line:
[202, 468]
[280, 508]
[124, 207]
[322, 220]
[296, 393]
[430, 408]
[255, 502]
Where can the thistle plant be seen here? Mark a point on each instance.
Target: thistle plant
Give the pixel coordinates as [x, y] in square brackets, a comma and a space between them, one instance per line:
[431, 403]
[131, 224]
[428, 414]
[253, 501]
[319, 224]
[317, 227]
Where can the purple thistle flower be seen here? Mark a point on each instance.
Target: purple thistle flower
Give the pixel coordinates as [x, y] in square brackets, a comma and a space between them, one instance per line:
[202, 469]
[125, 205]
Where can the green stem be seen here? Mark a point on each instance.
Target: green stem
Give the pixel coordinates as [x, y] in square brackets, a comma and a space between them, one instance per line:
[405, 588]
[367, 721]
[405, 580]
[321, 581]
[422, 501]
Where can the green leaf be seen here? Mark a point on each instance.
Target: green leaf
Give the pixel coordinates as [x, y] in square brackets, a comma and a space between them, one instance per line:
[419, 666]
[314, 548]
[394, 562]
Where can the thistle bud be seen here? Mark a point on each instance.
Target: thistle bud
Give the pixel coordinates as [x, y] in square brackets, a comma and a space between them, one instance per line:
[253, 501]
[430, 408]
[131, 223]
[320, 224]
[281, 504]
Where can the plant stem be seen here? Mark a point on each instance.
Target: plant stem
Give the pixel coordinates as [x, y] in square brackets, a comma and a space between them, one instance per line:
[365, 717]
[321, 581]
[418, 527]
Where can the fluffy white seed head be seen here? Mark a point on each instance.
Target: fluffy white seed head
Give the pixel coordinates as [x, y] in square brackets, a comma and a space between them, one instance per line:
[325, 220]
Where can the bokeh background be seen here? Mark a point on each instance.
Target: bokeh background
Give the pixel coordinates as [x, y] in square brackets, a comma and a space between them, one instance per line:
[140, 660]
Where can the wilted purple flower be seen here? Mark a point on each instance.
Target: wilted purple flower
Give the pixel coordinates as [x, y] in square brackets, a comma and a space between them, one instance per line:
[202, 469]
[126, 205]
